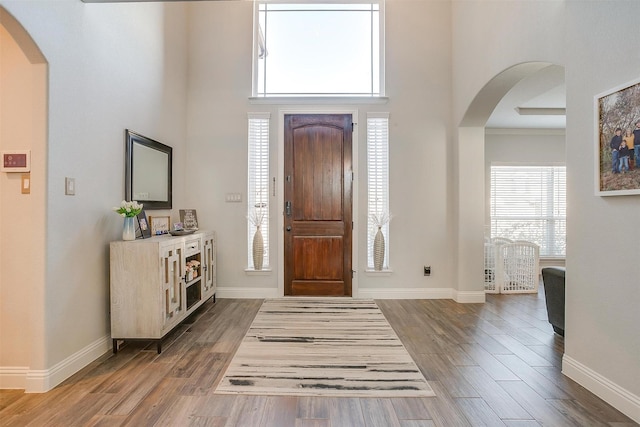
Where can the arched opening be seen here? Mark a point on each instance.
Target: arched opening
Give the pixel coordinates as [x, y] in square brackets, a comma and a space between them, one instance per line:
[472, 194]
[23, 126]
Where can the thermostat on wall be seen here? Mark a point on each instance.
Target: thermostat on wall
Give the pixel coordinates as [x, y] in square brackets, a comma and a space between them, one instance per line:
[16, 161]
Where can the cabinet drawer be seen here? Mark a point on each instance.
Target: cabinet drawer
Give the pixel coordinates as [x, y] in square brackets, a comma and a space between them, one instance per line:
[191, 247]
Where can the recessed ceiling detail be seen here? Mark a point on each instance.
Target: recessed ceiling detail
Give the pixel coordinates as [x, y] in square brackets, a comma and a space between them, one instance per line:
[540, 111]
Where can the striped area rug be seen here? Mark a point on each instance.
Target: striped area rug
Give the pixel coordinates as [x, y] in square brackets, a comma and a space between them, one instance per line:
[339, 347]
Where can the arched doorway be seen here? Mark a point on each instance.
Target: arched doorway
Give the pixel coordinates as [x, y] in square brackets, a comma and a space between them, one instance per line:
[23, 126]
[471, 199]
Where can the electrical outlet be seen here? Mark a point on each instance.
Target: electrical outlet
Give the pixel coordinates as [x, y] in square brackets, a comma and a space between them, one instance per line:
[427, 270]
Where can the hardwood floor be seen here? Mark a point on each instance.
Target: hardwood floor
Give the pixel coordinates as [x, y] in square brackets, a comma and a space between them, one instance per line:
[493, 364]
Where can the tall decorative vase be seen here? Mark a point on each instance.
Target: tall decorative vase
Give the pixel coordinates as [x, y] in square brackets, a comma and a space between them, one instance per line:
[378, 250]
[129, 229]
[258, 249]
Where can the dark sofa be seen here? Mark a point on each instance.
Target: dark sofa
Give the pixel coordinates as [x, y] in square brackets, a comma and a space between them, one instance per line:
[553, 281]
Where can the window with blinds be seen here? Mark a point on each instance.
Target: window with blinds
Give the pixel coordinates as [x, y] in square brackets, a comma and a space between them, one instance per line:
[377, 181]
[258, 184]
[529, 203]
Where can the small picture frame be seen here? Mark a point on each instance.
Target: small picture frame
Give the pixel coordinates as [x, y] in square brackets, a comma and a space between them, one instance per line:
[189, 219]
[144, 229]
[159, 224]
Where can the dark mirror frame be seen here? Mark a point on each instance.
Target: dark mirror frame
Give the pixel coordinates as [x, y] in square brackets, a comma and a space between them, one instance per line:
[132, 138]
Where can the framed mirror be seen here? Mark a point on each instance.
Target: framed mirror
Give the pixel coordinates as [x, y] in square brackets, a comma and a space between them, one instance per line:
[147, 171]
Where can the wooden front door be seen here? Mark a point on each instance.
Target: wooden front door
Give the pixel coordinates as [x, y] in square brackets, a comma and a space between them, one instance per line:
[318, 185]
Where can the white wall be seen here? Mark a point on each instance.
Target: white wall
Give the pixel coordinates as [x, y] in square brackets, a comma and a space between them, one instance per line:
[418, 85]
[601, 344]
[22, 216]
[117, 66]
[111, 67]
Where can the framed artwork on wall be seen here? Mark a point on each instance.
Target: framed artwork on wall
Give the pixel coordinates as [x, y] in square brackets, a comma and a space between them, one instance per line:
[159, 224]
[617, 118]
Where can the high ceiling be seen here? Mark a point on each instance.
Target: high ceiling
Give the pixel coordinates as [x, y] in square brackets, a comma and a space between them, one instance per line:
[536, 102]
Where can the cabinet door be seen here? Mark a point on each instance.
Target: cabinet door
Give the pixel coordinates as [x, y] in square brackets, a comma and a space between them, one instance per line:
[172, 259]
[209, 269]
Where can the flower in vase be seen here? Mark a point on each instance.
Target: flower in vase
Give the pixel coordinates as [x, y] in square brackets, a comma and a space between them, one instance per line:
[128, 209]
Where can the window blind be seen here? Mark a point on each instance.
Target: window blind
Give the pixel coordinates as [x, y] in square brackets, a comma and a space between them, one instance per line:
[529, 203]
[258, 183]
[377, 180]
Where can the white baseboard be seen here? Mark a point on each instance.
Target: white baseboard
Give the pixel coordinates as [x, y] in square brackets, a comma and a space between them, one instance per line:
[618, 397]
[405, 293]
[13, 377]
[372, 293]
[43, 380]
[470, 297]
[246, 293]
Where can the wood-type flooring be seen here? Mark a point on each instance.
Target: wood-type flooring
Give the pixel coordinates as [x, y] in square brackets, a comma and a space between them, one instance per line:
[492, 364]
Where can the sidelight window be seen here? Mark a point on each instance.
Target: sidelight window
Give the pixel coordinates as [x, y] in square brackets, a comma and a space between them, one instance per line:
[258, 185]
[318, 49]
[377, 183]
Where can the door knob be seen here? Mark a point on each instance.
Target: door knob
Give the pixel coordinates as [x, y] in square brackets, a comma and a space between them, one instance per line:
[288, 228]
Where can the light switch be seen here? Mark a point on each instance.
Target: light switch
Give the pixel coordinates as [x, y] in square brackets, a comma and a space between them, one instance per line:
[70, 186]
[26, 183]
[233, 198]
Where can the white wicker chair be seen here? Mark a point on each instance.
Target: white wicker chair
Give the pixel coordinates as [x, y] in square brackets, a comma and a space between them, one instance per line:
[520, 261]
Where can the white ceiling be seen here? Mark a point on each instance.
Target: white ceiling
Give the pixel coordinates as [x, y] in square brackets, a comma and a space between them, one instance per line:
[536, 102]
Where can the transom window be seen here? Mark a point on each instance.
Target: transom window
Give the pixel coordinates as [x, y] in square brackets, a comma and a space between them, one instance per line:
[318, 49]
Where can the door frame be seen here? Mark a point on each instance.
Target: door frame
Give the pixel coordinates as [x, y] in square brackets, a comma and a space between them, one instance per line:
[280, 191]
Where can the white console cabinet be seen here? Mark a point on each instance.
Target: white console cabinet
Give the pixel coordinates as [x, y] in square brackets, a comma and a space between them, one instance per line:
[157, 282]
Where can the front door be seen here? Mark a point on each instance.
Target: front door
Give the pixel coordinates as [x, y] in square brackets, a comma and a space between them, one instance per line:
[318, 185]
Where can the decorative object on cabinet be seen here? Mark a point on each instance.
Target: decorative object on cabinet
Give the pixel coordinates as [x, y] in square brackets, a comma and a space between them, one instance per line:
[189, 219]
[181, 232]
[143, 226]
[159, 224]
[129, 229]
[617, 122]
[156, 283]
[148, 171]
[128, 210]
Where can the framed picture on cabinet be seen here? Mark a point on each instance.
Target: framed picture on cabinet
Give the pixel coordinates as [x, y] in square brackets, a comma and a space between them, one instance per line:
[144, 230]
[617, 118]
[159, 224]
[189, 219]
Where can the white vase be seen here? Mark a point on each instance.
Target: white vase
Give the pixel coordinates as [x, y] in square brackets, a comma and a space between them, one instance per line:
[378, 250]
[129, 229]
[258, 249]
